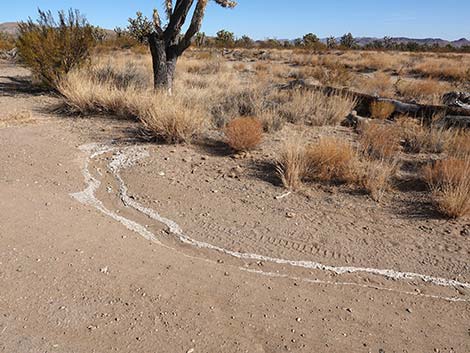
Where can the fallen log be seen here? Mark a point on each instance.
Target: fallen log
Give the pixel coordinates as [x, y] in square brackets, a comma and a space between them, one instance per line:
[425, 112]
[456, 121]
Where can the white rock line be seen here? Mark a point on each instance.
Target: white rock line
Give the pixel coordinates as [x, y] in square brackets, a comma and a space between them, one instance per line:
[127, 156]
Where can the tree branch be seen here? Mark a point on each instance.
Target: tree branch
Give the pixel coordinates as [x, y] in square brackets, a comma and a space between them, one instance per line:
[177, 19]
[194, 27]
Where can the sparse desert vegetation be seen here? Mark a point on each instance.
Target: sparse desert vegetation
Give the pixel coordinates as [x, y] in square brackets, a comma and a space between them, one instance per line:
[161, 187]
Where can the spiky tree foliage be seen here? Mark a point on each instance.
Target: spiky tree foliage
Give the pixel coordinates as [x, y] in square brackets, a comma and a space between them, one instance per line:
[167, 42]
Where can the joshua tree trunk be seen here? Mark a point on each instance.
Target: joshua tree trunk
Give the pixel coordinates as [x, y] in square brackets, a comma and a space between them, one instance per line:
[166, 45]
[164, 63]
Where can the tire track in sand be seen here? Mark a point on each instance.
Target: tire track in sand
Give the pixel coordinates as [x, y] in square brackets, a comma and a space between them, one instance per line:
[128, 156]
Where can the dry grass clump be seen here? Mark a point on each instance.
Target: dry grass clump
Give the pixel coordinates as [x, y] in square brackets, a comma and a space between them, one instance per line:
[316, 108]
[84, 95]
[330, 159]
[171, 118]
[379, 141]
[245, 101]
[244, 133]
[449, 181]
[418, 138]
[379, 84]
[381, 110]
[375, 176]
[426, 91]
[271, 120]
[331, 72]
[205, 67]
[292, 163]
[458, 145]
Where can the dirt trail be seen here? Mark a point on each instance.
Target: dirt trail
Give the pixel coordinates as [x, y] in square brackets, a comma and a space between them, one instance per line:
[74, 279]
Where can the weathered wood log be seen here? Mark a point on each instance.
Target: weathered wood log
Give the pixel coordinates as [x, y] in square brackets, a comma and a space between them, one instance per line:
[422, 111]
[456, 121]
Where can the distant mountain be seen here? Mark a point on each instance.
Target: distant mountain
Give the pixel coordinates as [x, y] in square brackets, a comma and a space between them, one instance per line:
[9, 28]
[12, 28]
[362, 41]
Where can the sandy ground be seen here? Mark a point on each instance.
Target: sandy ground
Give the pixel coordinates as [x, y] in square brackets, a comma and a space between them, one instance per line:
[242, 271]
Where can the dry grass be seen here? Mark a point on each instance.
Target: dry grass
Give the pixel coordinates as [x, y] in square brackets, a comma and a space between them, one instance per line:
[444, 68]
[330, 159]
[376, 176]
[381, 110]
[458, 145]
[292, 163]
[379, 84]
[271, 120]
[449, 181]
[316, 108]
[171, 118]
[244, 133]
[419, 138]
[379, 141]
[426, 91]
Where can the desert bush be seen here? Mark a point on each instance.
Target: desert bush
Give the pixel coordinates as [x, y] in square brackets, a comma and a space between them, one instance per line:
[331, 159]
[375, 176]
[52, 48]
[243, 133]
[449, 181]
[292, 163]
[379, 141]
[418, 138]
[381, 110]
[316, 108]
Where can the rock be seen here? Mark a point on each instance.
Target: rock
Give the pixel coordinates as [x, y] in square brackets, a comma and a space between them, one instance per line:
[465, 232]
[290, 215]
[104, 270]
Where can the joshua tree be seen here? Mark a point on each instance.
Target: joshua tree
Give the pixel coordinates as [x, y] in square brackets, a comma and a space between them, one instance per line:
[167, 43]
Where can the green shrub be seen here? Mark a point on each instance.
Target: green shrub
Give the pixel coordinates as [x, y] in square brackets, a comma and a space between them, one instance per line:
[52, 48]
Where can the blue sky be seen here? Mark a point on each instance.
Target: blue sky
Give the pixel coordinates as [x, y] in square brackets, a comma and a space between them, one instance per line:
[448, 19]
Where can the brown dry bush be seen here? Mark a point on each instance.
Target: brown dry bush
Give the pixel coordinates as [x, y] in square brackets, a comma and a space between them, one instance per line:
[330, 159]
[449, 181]
[243, 133]
[381, 110]
[379, 141]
